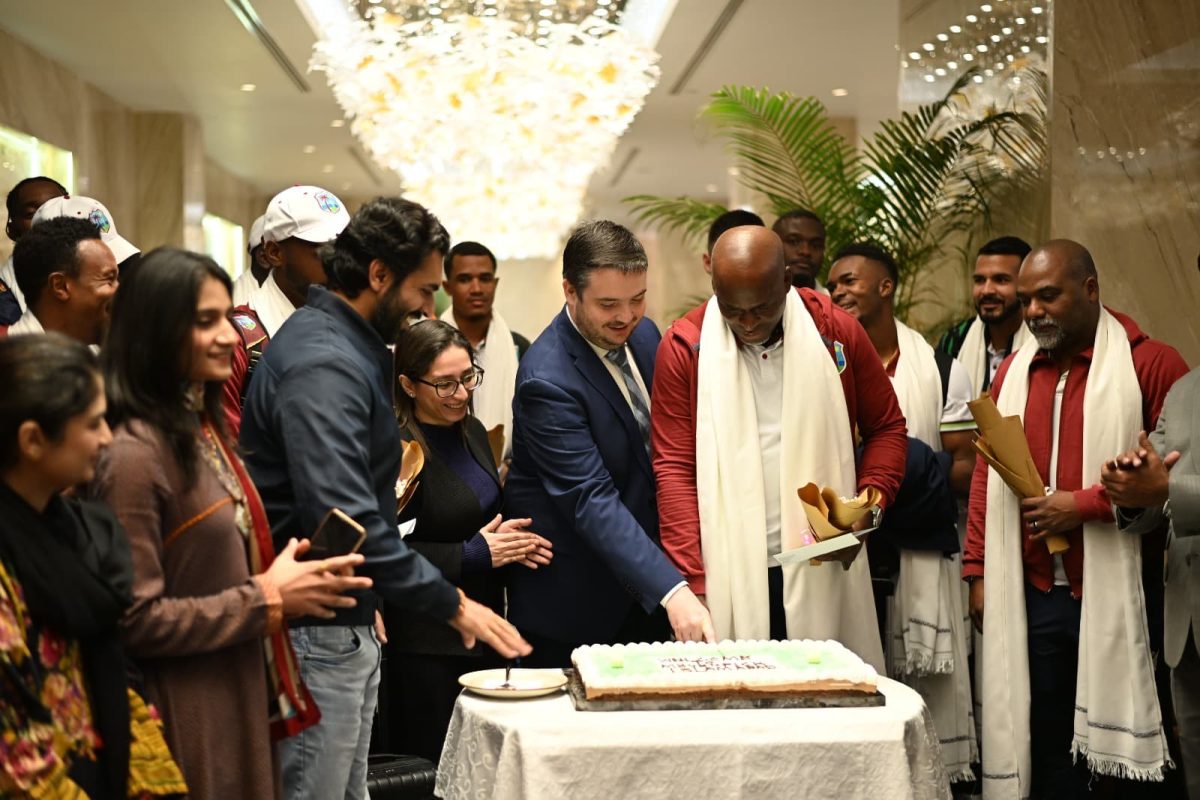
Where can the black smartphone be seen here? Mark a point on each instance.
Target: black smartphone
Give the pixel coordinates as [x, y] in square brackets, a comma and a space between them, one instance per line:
[337, 535]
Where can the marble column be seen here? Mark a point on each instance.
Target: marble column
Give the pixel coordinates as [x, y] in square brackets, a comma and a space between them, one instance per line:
[1125, 155]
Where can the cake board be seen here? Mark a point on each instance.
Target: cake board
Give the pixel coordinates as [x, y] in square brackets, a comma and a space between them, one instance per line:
[685, 703]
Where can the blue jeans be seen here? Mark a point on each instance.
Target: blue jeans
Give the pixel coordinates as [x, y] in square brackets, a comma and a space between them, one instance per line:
[340, 665]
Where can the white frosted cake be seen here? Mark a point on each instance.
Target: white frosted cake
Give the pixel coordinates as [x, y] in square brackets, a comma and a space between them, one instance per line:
[727, 669]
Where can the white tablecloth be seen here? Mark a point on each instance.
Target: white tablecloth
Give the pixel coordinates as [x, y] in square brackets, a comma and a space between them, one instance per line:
[545, 748]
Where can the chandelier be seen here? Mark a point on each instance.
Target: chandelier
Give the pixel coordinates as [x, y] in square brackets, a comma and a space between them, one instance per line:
[494, 113]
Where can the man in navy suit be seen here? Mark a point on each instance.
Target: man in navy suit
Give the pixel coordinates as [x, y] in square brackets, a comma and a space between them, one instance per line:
[581, 464]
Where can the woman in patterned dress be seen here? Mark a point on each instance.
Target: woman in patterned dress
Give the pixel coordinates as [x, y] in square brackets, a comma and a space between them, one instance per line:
[69, 726]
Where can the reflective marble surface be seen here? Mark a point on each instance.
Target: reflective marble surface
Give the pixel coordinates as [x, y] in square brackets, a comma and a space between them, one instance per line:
[1125, 149]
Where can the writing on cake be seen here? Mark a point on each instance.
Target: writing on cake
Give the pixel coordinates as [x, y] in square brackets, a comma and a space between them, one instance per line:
[713, 663]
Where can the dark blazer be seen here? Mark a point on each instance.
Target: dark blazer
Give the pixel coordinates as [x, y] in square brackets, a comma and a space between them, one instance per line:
[581, 472]
[447, 514]
[923, 516]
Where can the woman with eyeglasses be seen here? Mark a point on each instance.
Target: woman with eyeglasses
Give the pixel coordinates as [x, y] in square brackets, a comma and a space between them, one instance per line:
[210, 595]
[458, 527]
[69, 726]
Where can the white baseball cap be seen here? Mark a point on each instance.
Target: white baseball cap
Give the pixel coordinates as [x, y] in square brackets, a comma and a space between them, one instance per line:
[93, 211]
[256, 234]
[304, 212]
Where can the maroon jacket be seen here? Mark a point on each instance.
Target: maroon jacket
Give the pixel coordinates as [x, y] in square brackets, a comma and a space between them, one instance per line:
[870, 402]
[252, 341]
[1157, 365]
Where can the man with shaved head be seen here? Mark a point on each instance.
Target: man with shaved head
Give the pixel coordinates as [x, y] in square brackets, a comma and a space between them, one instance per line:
[757, 392]
[1070, 672]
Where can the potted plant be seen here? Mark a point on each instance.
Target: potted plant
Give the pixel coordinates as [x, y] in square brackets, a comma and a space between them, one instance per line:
[921, 186]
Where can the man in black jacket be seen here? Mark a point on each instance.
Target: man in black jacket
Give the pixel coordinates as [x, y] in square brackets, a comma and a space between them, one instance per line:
[319, 432]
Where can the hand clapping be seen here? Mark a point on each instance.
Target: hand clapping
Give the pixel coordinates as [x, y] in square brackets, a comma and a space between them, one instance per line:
[1139, 477]
[511, 542]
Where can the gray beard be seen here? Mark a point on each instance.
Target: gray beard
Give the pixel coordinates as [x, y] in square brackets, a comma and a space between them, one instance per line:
[1049, 334]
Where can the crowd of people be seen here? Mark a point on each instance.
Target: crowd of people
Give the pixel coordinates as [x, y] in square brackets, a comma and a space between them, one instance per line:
[171, 442]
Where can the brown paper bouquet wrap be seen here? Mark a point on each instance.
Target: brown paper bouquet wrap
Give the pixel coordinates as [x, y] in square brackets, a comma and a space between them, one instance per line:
[411, 463]
[830, 523]
[1002, 444]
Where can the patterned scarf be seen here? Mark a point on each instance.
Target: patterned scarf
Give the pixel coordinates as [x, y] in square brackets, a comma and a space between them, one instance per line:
[292, 707]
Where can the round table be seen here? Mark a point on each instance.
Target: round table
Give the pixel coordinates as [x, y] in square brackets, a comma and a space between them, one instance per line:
[545, 748]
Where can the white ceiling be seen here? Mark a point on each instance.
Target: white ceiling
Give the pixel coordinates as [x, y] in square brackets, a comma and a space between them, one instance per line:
[193, 57]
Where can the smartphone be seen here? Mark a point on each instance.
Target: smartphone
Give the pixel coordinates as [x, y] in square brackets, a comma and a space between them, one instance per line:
[337, 535]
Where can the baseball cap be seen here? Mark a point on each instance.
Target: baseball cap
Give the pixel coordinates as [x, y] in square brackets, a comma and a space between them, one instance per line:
[304, 212]
[256, 234]
[94, 212]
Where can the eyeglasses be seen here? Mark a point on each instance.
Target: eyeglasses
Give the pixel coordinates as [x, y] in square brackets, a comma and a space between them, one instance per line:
[449, 388]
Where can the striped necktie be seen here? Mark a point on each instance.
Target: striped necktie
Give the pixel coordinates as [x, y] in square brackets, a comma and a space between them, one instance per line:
[637, 401]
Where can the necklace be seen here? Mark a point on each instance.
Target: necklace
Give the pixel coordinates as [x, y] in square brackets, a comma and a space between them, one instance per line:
[216, 459]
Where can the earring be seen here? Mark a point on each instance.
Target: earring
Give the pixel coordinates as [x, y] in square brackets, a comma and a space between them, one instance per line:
[193, 397]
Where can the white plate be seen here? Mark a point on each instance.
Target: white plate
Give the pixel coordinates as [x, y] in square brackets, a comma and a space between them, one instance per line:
[526, 682]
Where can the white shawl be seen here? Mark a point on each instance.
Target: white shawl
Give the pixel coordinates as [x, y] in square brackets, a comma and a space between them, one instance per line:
[824, 602]
[1118, 723]
[498, 358]
[271, 305]
[927, 631]
[974, 356]
[244, 287]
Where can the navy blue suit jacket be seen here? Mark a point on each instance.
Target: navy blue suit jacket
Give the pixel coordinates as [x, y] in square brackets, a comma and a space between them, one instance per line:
[580, 471]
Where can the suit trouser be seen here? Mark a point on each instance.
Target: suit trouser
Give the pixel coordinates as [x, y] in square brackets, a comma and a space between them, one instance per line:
[1185, 692]
[638, 626]
[1053, 631]
[775, 599]
[422, 690]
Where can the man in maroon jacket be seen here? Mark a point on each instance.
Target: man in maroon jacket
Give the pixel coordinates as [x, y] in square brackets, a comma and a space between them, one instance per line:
[754, 302]
[1059, 293]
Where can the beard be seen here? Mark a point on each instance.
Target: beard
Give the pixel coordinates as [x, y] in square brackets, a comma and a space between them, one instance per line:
[1048, 332]
[391, 315]
[1006, 312]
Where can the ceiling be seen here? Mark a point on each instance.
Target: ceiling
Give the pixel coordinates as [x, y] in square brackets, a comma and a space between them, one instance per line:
[193, 58]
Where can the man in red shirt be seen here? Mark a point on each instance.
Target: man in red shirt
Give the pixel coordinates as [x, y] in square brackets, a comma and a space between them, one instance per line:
[787, 409]
[1060, 296]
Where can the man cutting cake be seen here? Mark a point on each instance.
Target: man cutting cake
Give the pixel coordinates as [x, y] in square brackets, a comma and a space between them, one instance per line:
[740, 422]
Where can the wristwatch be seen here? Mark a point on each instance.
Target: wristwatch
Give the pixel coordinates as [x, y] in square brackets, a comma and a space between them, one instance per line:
[876, 516]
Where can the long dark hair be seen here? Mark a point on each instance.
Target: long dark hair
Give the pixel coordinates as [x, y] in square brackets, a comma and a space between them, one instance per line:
[146, 357]
[417, 348]
[48, 378]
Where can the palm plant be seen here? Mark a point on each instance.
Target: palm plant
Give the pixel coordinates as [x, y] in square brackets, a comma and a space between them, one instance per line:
[920, 179]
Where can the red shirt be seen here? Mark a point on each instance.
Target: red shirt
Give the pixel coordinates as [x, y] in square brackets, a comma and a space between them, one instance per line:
[870, 403]
[1157, 365]
[251, 335]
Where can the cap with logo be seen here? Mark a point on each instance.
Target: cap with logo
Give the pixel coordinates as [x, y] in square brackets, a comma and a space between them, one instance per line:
[93, 211]
[309, 213]
[256, 231]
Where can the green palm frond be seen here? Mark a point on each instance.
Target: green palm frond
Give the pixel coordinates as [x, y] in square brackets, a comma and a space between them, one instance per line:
[787, 148]
[921, 178]
[688, 217]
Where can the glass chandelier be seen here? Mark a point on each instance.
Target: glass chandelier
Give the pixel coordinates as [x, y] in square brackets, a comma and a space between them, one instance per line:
[495, 113]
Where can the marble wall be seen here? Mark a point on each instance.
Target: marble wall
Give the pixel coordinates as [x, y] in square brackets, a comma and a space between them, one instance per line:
[148, 168]
[1125, 154]
[1124, 142]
